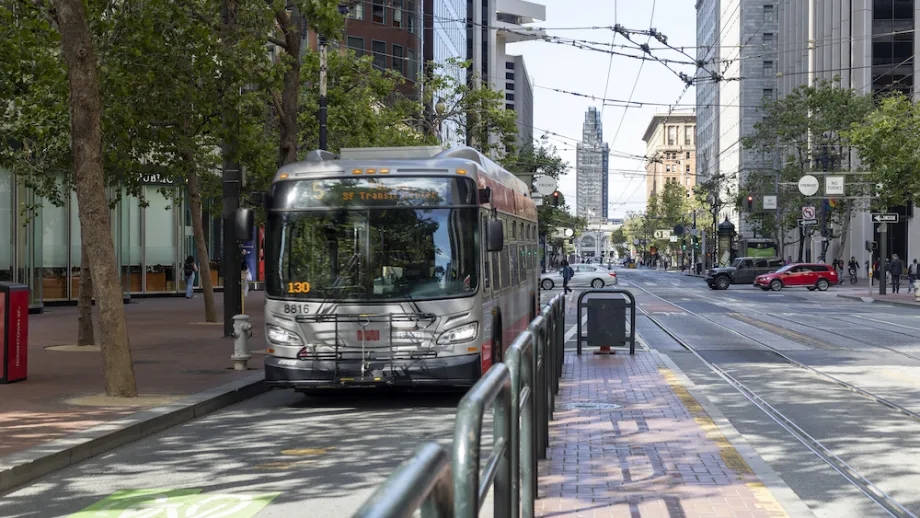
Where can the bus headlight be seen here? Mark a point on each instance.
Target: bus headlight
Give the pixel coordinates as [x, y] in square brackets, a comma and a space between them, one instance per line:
[459, 334]
[279, 336]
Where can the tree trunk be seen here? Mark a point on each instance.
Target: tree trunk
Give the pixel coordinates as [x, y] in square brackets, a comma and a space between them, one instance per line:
[291, 24]
[86, 147]
[204, 260]
[85, 334]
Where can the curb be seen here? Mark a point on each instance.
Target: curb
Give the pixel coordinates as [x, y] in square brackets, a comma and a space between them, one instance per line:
[869, 299]
[781, 492]
[25, 466]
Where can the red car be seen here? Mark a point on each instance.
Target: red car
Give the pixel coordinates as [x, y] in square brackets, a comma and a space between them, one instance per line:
[812, 276]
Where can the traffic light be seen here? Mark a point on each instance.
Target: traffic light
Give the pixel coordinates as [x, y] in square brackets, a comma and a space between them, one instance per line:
[555, 198]
[750, 203]
[871, 245]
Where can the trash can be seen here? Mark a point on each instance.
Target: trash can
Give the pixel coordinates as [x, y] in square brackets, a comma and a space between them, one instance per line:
[14, 332]
[607, 322]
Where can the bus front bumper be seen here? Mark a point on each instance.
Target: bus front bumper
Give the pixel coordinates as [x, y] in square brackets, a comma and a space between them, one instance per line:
[448, 372]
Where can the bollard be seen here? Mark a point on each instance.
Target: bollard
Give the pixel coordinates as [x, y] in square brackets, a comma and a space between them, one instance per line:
[242, 332]
[917, 290]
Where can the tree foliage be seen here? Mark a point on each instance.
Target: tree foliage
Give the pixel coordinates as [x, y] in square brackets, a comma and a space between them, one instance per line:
[781, 138]
[888, 142]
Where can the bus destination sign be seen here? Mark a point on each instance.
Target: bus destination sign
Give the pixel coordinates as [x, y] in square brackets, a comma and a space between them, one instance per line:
[372, 192]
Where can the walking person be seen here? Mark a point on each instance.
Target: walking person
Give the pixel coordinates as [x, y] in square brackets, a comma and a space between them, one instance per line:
[838, 265]
[245, 274]
[189, 269]
[567, 273]
[912, 272]
[896, 270]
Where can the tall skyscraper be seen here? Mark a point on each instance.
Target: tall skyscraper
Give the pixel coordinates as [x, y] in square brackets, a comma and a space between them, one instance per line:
[445, 38]
[737, 44]
[591, 170]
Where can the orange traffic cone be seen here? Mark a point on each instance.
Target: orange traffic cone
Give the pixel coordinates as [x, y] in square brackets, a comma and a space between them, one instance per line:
[605, 349]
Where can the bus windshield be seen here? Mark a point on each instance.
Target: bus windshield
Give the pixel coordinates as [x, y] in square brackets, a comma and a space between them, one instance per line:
[394, 253]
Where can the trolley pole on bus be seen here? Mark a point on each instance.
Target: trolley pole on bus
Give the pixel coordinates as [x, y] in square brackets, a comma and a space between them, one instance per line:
[231, 178]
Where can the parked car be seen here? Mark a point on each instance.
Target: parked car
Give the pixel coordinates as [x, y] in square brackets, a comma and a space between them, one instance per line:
[811, 276]
[595, 276]
[743, 270]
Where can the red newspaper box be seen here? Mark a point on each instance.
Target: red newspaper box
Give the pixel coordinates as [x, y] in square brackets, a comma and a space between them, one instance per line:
[14, 331]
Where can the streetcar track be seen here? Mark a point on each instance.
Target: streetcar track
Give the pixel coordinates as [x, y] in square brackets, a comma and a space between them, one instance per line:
[850, 474]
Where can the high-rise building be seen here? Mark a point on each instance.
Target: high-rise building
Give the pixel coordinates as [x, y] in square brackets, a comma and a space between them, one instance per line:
[670, 139]
[591, 170]
[737, 42]
[390, 31]
[445, 38]
[519, 97]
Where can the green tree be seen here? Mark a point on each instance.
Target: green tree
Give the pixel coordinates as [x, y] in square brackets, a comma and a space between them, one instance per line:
[825, 111]
[887, 142]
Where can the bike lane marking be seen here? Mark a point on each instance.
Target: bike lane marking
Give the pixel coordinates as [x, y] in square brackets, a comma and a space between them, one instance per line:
[176, 503]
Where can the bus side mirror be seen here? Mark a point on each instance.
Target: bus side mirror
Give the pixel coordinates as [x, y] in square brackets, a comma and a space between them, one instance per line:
[496, 238]
[243, 224]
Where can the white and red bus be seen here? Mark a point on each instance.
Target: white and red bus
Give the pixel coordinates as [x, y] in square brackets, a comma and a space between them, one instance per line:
[409, 267]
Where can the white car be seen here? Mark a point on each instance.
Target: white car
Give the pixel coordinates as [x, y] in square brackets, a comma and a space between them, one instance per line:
[595, 276]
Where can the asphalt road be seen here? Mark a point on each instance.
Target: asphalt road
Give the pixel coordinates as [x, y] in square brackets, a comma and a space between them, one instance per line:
[875, 347]
[284, 454]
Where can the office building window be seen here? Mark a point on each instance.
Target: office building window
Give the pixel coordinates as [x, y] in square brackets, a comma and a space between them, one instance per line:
[411, 16]
[397, 59]
[509, 86]
[667, 169]
[380, 54]
[688, 155]
[357, 11]
[768, 13]
[356, 44]
[768, 39]
[768, 94]
[509, 96]
[509, 65]
[767, 68]
[688, 168]
[672, 135]
[412, 64]
[397, 13]
[509, 107]
[378, 13]
[509, 76]
[688, 135]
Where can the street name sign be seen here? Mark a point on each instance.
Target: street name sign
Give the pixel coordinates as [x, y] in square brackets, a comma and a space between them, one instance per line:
[545, 185]
[808, 185]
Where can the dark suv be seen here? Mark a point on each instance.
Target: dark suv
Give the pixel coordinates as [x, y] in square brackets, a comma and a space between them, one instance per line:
[743, 270]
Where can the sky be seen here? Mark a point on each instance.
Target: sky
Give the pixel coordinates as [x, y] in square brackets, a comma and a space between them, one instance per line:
[564, 67]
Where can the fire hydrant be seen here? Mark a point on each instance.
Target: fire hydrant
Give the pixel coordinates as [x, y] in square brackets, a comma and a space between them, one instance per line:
[242, 332]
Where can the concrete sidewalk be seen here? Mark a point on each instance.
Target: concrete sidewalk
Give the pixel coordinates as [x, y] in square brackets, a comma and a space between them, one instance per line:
[182, 367]
[631, 438]
[861, 291]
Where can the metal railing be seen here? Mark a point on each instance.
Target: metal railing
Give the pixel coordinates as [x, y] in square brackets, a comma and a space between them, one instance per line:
[522, 393]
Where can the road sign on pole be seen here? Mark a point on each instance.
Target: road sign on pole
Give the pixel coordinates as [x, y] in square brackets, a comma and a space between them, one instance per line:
[769, 202]
[834, 185]
[808, 213]
[885, 218]
[545, 185]
[808, 185]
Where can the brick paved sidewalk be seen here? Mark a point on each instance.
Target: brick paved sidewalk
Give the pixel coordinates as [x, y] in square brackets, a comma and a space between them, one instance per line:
[174, 351]
[658, 455]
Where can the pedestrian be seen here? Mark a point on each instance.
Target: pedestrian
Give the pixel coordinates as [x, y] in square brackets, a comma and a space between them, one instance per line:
[875, 272]
[245, 274]
[567, 273]
[189, 269]
[913, 271]
[896, 269]
[838, 265]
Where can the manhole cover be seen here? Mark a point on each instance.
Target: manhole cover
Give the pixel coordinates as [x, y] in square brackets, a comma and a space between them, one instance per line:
[591, 406]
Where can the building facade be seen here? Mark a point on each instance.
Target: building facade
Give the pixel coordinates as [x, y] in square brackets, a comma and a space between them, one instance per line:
[591, 170]
[42, 248]
[670, 139]
[391, 32]
[741, 72]
[519, 97]
[445, 38]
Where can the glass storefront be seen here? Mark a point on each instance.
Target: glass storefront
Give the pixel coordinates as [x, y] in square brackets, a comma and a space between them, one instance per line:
[43, 249]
